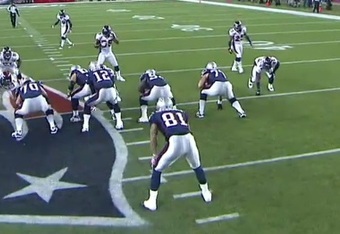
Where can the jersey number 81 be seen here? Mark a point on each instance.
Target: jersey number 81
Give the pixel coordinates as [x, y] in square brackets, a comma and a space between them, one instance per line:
[173, 119]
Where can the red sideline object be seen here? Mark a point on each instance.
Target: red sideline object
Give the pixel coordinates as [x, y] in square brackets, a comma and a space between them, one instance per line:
[320, 9]
[52, 1]
[268, 4]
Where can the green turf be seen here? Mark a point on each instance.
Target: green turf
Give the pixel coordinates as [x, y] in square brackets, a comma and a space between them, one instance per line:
[298, 196]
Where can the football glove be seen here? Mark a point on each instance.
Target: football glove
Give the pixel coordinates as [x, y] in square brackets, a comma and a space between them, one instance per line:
[230, 50]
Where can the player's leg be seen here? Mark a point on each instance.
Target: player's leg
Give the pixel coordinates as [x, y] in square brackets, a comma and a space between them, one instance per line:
[237, 64]
[19, 119]
[112, 103]
[113, 61]
[169, 154]
[144, 100]
[194, 161]
[77, 94]
[271, 77]
[93, 100]
[45, 107]
[212, 91]
[168, 94]
[100, 59]
[68, 41]
[228, 88]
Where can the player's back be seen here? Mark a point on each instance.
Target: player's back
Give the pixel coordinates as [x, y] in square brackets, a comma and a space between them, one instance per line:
[155, 81]
[101, 78]
[81, 76]
[171, 122]
[216, 75]
[30, 89]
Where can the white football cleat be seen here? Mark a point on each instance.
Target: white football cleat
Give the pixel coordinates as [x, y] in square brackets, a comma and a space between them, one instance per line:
[17, 135]
[270, 88]
[60, 48]
[120, 78]
[240, 70]
[119, 126]
[206, 195]
[143, 120]
[150, 205]
[234, 69]
[54, 130]
[85, 129]
[75, 119]
[250, 84]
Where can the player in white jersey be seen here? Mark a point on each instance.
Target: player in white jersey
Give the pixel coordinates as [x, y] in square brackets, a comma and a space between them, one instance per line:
[65, 28]
[104, 42]
[267, 64]
[236, 34]
[10, 63]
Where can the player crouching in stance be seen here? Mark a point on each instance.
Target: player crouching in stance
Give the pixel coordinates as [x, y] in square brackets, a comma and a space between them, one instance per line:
[10, 62]
[104, 42]
[173, 124]
[31, 98]
[270, 65]
[78, 76]
[236, 34]
[101, 82]
[65, 28]
[152, 87]
[214, 82]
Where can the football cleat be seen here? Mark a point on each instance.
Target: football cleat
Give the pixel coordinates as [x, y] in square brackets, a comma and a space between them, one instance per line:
[270, 88]
[234, 69]
[85, 129]
[206, 195]
[119, 126]
[240, 70]
[75, 119]
[219, 106]
[143, 120]
[17, 135]
[199, 115]
[150, 205]
[242, 115]
[120, 78]
[250, 84]
[258, 93]
[70, 46]
[54, 130]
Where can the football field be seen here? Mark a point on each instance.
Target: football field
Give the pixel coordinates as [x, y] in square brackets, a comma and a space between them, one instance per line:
[275, 172]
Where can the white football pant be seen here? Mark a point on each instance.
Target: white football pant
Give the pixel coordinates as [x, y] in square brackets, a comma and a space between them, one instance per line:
[110, 57]
[33, 105]
[158, 92]
[220, 88]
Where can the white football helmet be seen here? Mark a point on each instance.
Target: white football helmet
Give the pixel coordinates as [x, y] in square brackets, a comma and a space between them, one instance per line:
[164, 104]
[211, 66]
[151, 73]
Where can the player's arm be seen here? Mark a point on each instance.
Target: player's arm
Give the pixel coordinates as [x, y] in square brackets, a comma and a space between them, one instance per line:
[229, 44]
[142, 86]
[115, 38]
[17, 11]
[153, 139]
[18, 101]
[56, 23]
[18, 62]
[73, 79]
[202, 81]
[248, 39]
[71, 25]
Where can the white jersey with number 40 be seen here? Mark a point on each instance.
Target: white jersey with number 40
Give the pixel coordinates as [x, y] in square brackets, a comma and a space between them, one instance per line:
[105, 43]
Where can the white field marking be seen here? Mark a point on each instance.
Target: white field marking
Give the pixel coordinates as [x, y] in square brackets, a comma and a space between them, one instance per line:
[224, 217]
[172, 51]
[254, 97]
[123, 119]
[131, 130]
[187, 195]
[66, 74]
[137, 143]
[49, 50]
[55, 55]
[59, 61]
[207, 36]
[52, 59]
[225, 67]
[64, 69]
[64, 65]
[52, 52]
[145, 158]
[243, 164]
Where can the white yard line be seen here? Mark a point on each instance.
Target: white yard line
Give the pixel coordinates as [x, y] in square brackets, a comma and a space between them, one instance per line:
[243, 164]
[224, 217]
[144, 158]
[137, 143]
[131, 130]
[182, 51]
[187, 195]
[211, 36]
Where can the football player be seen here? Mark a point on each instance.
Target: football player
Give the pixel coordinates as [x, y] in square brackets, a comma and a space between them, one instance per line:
[6, 81]
[65, 28]
[78, 76]
[236, 34]
[174, 125]
[31, 97]
[104, 42]
[10, 62]
[152, 87]
[101, 82]
[214, 82]
[263, 64]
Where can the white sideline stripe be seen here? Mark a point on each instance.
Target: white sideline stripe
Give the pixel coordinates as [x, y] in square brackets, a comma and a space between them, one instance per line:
[224, 217]
[244, 164]
[131, 130]
[226, 67]
[255, 97]
[256, 8]
[175, 51]
[186, 195]
[144, 158]
[137, 143]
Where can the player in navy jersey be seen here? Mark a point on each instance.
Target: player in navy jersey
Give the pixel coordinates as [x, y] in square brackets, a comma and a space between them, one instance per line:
[152, 87]
[101, 82]
[214, 82]
[31, 97]
[78, 76]
[174, 126]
